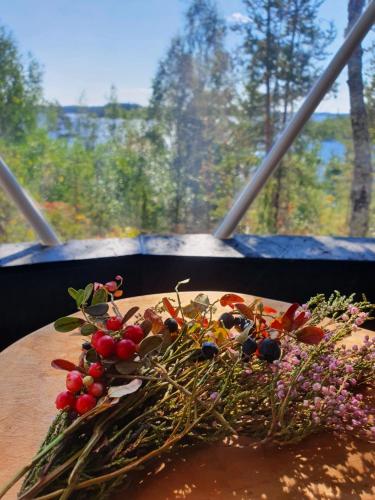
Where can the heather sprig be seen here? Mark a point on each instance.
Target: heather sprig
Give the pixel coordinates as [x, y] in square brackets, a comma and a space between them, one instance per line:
[145, 383]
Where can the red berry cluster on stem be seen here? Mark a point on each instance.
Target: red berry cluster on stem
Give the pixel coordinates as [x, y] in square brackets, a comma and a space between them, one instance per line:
[115, 341]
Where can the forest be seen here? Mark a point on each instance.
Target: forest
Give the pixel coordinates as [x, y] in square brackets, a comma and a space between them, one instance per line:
[176, 165]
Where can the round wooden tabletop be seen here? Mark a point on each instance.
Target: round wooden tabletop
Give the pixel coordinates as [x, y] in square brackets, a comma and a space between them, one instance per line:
[320, 467]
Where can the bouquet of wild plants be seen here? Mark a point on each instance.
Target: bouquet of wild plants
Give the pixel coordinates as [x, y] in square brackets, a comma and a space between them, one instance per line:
[174, 375]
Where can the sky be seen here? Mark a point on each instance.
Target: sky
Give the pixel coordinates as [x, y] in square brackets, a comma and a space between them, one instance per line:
[85, 46]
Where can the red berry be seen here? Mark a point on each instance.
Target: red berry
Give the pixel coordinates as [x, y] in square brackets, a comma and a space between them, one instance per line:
[105, 346]
[65, 400]
[134, 333]
[96, 370]
[125, 349]
[96, 389]
[114, 323]
[74, 381]
[96, 336]
[85, 403]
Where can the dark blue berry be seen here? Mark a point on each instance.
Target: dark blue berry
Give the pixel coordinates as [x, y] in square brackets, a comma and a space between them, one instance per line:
[269, 350]
[197, 355]
[227, 320]
[86, 346]
[249, 347]
[209, 349]
[242, 322]
[171, 324]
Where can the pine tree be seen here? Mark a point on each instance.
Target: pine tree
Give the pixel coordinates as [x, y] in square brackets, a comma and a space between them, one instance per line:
[283, 43]
[361, 188]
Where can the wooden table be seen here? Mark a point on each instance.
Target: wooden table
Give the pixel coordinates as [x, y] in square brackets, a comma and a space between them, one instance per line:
[319, 468]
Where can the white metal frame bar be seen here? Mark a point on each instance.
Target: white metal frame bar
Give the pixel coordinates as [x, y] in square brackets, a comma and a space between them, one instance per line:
[27, 206]
[294, 127]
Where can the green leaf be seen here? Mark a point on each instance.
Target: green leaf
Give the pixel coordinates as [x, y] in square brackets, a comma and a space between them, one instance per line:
[80, 296]
[99, 296]
[88, 329]
[149, 344]
[129, 314]
[91, 356]
[127, 367]
[72, 292]
[123, 390]
[88, 291]
[97, 309]
[68, 323]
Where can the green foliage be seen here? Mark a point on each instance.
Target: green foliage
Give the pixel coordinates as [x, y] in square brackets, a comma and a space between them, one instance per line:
[20, 90]
[178, 164]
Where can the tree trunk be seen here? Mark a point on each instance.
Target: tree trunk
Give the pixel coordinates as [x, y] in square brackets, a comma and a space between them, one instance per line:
[268, 122]
[360, 196]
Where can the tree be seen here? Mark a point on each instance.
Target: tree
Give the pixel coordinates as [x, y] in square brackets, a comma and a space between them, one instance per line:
[361, 188]
[192, 94]
[113, 113]
[20, 90]
[282, 46]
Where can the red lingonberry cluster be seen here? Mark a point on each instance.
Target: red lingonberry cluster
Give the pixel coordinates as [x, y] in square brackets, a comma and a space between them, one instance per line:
[82, 391]
[86, 386]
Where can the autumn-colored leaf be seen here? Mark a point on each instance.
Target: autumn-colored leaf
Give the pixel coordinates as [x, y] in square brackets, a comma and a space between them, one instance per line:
[310, 335]
[269, 310]
[168, 306]
[146, 326]
[299, 320]
[288, 317]
[229, 299]
[245, 310]
[156, 321]
[219, 333]
[276, 325]
[63, 364]
[118, 293]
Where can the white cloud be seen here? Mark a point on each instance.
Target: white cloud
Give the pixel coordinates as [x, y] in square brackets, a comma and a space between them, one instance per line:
[237, 17]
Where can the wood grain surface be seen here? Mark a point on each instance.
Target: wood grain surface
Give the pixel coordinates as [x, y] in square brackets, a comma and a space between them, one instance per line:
[321, 467]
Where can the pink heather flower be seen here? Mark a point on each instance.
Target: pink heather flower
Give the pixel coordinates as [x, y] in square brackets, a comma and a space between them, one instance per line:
[353, 310]
[359, 321]
[214, 395]
[349, 369]
[118, 277]
[316, 387]
[306, 403]
[97, 286]
[345, 317]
